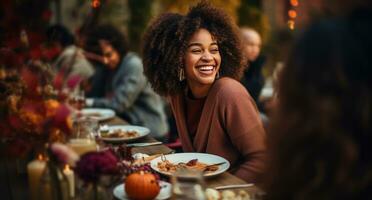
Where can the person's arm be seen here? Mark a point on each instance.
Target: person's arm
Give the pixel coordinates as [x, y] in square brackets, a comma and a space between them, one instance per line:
[246, 132]
[130, 84]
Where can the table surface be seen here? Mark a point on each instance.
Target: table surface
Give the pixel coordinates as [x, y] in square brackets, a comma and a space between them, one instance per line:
[18, 184]
[223, 179]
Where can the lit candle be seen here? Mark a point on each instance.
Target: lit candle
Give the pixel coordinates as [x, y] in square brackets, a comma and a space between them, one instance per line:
[70, 178]
[35, 169]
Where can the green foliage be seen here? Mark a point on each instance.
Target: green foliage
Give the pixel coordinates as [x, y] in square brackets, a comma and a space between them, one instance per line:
[140, 13]
[182, 6]
[252, 16]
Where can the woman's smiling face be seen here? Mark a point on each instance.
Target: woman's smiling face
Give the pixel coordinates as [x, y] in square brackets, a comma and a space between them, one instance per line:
[202, 61]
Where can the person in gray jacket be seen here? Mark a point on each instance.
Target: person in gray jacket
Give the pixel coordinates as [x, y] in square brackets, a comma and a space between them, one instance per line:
[121, 85]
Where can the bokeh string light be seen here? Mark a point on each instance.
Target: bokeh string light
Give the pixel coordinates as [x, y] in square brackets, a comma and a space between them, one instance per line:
[292, 14]
[95, 3]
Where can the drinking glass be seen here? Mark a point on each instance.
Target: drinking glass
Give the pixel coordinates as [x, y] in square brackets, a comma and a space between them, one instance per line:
[77, 100]
[84, 132]
[188, 185]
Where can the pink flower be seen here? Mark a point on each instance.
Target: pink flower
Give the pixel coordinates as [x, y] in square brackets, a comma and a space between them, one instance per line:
[73, 81]
[64, 154]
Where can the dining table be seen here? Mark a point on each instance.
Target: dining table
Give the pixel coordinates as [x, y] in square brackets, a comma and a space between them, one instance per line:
[223, 179]
[17, 186]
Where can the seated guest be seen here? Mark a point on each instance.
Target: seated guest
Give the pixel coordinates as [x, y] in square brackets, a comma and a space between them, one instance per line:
[196, 61]
[123, 84]
[68, 59]
[321, 134]
[253, 78]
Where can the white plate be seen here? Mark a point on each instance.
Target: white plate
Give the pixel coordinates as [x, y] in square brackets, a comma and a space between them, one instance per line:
[185, 157]
[165, 191]
[103, 114]
[142, 132]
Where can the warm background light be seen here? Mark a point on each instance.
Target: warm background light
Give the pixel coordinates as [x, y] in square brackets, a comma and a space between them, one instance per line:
[292, 14]
[294, 2]
[291, 24]
[96, 3]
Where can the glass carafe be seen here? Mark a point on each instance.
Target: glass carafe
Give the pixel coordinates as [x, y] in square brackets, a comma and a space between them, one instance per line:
[83, 136]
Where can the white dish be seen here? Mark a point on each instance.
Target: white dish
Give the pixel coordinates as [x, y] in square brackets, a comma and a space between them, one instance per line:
[142, 132]
[165, 191]
[100, 114]
[185, 157]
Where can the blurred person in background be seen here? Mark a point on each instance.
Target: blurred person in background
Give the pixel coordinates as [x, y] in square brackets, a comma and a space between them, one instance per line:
[253, 78]
[66, 58]
[196, 61]
[121, 84]
[321, 134]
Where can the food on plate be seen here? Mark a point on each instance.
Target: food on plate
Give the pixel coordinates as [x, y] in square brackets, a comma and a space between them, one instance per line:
[118, 133]
[141, 159]
[104, 129]
[212, 194]
[167, 166]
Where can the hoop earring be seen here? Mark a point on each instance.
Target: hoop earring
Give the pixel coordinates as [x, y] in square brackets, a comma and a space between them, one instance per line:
[181, 75]
[218, 75]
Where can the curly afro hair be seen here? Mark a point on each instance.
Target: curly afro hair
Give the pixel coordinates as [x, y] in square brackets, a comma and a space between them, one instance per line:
[166, 40]
[109, 33]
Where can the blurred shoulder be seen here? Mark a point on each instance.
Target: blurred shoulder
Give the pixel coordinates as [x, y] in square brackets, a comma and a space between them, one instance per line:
[228, 88]
[132, 61]
[132, 57]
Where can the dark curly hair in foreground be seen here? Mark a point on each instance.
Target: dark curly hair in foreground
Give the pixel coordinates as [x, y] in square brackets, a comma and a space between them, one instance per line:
[166, 42]
[322, 133]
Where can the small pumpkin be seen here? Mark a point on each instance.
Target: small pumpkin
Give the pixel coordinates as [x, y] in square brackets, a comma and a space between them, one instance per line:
[141, 186]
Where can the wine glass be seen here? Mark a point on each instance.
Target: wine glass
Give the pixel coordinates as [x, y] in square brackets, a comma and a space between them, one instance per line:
[188, 185]
[77, 100]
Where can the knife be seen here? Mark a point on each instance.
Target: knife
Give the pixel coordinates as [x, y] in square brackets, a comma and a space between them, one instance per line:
[144, 144]
[234, 186]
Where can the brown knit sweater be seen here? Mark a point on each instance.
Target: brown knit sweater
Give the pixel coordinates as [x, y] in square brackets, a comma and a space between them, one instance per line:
[229, 126]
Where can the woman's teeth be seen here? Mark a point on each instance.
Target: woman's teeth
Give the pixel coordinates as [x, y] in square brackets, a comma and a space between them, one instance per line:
[206, 69]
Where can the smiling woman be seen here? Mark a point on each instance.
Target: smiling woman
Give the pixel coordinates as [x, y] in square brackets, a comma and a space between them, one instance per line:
[195, 60]
[202, 62]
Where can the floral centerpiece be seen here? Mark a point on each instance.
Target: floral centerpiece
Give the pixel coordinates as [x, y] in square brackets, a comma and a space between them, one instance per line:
[31, 112]
[109, 167]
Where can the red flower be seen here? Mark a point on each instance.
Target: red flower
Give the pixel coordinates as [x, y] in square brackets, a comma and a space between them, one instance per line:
[62, 119]
[58, 80]
[18, 147]
[9, 59]
[31, 80]
[35, 53]
[94, 164]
